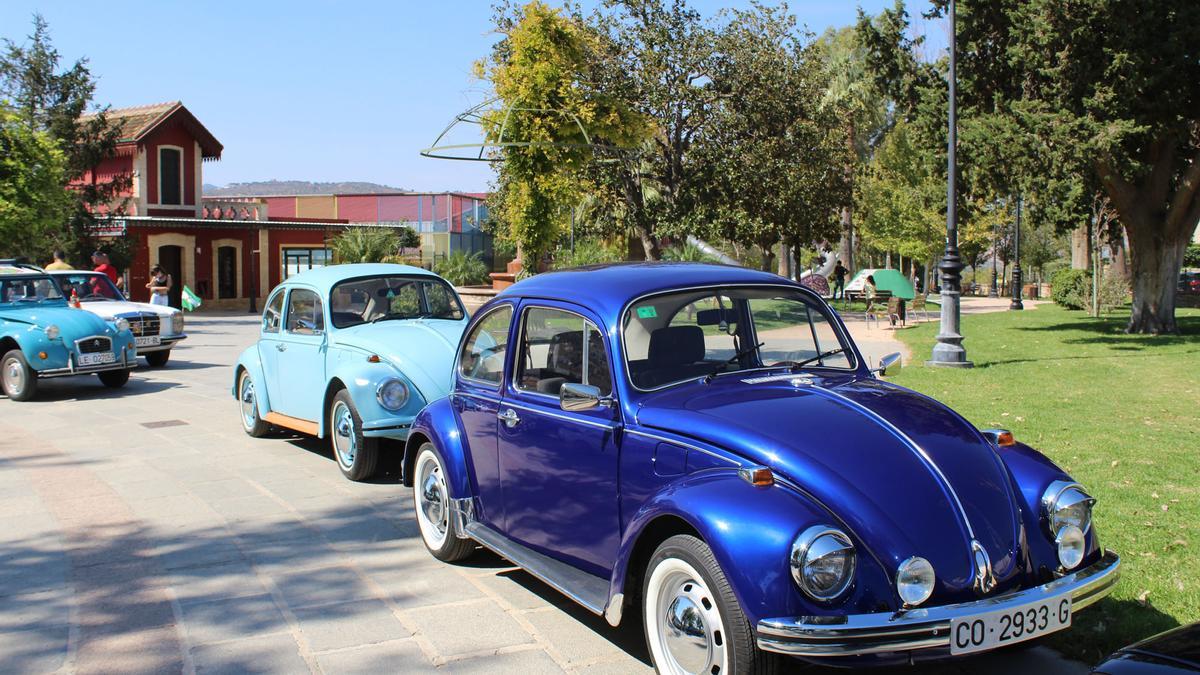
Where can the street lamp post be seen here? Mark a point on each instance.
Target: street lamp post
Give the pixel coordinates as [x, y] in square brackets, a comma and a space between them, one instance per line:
[1016, 274]
[253, 309]
[949, 351]
[994, 291]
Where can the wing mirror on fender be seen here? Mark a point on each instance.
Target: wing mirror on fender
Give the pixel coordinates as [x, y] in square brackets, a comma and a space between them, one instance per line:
[574, 397]
[889, 363]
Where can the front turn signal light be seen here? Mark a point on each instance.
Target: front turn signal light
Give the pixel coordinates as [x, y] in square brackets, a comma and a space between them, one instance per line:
[759, 476]
[1001, 437]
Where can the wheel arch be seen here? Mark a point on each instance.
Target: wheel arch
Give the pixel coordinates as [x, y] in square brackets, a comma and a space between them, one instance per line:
[9, 343]
[652, 535]
[248, 363]
[332, 387]
[437, 424]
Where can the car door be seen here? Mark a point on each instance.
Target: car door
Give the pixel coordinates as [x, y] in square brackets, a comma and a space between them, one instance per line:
[269, 343]
[558, 469]
[476, 402]
[300, 356]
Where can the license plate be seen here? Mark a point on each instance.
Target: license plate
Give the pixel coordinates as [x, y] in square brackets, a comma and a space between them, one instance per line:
[97, 359]
[1003, 627]
[147, 341]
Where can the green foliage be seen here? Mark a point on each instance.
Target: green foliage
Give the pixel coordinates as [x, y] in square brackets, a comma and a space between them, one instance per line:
[365, 244]
[587, 252]
[34, 204]
[48, 100]
[1112, 291]
[901, 199]
[461, 269]
[1067, 286]
[407, 237]
[1191, 256]
[687, 252]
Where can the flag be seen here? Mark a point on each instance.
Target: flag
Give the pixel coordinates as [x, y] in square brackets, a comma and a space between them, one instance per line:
[190, 300]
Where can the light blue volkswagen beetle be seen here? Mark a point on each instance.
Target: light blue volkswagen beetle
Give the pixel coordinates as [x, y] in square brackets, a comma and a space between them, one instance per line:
[42, 337]
[351, 352]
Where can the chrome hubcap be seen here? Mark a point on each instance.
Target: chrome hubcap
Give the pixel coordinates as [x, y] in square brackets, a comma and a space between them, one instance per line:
[689, 626]
[249, 411]
[345, 441]
[433, 500]
[14, 377]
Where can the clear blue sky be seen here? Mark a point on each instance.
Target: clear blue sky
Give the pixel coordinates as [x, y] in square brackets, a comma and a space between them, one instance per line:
[317, 91]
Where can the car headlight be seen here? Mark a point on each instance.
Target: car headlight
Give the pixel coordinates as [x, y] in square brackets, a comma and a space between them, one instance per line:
[914, 581]
[177, 323]
[823, 561]
[52, 332]
[392, 393]
[1066, 504]
[121, 324]
[1071, 546]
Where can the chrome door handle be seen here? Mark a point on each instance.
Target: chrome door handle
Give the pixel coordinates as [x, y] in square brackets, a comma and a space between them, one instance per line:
[509, 417]
[280, 347]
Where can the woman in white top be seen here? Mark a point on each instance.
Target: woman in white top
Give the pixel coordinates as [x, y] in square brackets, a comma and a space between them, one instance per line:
[159, 285]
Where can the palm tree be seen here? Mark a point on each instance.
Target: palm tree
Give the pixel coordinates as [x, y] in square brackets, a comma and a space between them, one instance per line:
[365, 244]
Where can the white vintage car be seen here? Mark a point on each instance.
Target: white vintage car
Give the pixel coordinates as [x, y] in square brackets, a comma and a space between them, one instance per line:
[156, 328]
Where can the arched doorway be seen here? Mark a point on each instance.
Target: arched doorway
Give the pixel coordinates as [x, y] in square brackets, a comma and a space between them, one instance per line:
[171, 259]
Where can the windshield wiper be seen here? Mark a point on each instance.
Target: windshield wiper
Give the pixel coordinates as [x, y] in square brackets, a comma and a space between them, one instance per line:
[390, 315]
[735, 357]
[818, 357]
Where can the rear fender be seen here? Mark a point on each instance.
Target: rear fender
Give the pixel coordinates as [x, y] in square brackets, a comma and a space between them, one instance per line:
[750, 531]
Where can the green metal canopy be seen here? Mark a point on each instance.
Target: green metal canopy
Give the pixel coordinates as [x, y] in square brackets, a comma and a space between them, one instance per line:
[885, 280]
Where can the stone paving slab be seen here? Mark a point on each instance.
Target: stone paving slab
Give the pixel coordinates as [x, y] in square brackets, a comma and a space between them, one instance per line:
[196, 549]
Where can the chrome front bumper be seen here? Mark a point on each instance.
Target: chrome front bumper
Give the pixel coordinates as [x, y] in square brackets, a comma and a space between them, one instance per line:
[923, 628]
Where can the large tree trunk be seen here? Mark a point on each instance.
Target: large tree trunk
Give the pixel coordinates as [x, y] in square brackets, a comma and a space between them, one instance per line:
[1155, 264]
[1081, 248]
[649, 243]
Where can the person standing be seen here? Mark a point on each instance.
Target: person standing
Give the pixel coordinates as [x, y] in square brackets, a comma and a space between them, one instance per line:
[839, 280]
[60, 262]
[159, 285]
[101, 261]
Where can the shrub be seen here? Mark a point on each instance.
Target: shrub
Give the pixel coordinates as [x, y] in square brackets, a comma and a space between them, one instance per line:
[1191, 256]
[687, 252]
[587, 252]
[365, 244]
[461, 269]
[1067, 285]
[407, 237]
[1113, 292]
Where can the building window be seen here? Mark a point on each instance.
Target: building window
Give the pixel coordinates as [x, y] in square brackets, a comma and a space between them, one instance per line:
[170, 176]
[297, 260]
[227, 272]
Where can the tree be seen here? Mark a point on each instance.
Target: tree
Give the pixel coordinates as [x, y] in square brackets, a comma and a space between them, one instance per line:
[1069, 83]
[407, 237]
[33, 202]
[901, 200]
[365, 244]
[773, 158]
[551, 119]
[47, 100]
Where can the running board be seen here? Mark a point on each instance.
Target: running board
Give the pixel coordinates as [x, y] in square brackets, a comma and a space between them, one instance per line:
[586, 589]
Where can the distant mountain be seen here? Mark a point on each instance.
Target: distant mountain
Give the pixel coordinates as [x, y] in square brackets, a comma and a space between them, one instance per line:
[295, 187]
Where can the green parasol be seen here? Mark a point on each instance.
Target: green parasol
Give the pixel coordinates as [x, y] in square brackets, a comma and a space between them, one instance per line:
[885, 280]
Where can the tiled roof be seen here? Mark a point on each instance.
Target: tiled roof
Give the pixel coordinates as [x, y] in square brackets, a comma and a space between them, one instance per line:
[134, 123]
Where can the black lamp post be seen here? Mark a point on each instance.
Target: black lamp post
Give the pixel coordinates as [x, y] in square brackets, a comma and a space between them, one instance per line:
[949, 350]
[994, 291]
[253, 309]
[1016, 274]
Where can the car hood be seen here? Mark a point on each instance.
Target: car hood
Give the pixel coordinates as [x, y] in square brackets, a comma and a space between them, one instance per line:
[73, 323]
[906, 474]
[422, 349]
[110, 309]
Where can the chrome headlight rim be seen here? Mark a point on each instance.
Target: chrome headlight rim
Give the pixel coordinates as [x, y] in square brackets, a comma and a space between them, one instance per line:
[915, 565]
[799, 561]
[382, 395]
[121, 323]
[1061, 495]
[53, 332]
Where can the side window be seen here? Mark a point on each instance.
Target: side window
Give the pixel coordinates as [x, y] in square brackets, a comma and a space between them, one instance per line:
[304, 314]
[273, 316]
[558, 347]
[482, 356]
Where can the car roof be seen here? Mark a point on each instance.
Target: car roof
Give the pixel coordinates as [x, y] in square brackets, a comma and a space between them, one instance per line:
[324, 277]
[607, 288]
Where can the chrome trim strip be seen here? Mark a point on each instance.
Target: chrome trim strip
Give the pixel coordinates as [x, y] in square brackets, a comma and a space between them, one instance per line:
[843, 334]
[925, 628]
[507, 403]
[689, 446]
[916, 448]
[616, 606]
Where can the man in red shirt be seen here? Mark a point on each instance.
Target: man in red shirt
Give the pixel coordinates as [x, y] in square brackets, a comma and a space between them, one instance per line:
[100, 260]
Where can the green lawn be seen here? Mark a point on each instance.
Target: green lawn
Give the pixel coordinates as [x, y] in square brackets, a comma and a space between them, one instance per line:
[1121, 413]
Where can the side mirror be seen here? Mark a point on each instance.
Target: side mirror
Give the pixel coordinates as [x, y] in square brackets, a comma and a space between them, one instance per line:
[891, 362]
[574, 397]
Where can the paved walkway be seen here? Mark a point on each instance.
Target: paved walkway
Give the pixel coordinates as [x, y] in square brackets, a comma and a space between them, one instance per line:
[142, 531]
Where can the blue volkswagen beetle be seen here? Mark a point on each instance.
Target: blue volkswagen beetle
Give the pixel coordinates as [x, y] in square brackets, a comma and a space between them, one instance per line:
[352, 353]
[705, 445]
[42, 337]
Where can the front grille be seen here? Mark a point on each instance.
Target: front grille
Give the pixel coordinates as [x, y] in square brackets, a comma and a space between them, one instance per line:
[143, 324]
[94, 345]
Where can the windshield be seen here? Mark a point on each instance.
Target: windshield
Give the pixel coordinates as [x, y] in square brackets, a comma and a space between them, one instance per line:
[368, 299]
[28, 289]
[681, 336]
[88, 286]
